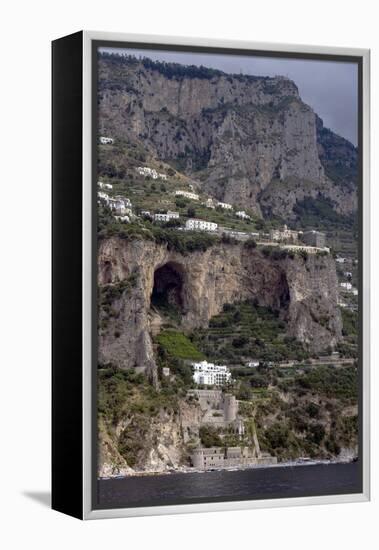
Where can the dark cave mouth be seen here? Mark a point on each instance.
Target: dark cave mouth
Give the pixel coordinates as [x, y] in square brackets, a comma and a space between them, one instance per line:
[167, 295]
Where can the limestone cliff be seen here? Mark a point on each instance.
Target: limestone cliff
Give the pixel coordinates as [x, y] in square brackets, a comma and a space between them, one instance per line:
[155, 443]
[304, 291]
[233, 134]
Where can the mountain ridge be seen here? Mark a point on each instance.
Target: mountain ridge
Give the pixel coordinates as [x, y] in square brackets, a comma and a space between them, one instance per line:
[232, 134]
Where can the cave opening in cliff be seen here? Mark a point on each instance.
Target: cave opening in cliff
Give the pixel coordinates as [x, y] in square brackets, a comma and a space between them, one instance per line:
[167, 295]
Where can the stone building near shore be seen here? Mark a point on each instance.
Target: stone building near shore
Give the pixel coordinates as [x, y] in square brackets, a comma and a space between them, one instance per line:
[221, 411]
[214, 458]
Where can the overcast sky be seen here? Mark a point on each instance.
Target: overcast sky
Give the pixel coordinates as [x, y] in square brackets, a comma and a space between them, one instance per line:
[329, 87]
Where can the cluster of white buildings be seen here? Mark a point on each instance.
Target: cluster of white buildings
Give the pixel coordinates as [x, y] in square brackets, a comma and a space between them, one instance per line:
[212, 203]
[151, 172]
[169, 215]
[121, 206]
[194, 224]
[210, 374]
[187, 195]
[106, 140]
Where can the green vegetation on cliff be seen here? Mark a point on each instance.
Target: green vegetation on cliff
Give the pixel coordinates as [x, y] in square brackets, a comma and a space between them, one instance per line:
[309, 413]
[176, 344]
[319, 213]
[341, 383]
[125, 392]
[349, 346]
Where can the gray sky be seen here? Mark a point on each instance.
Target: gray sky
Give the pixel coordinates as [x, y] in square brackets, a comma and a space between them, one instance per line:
[329, 87]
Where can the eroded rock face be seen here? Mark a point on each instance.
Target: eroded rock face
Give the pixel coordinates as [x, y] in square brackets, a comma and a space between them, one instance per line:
[164, 437]
[313, 315]
[305, 293]
[110, 461]
[233, 135]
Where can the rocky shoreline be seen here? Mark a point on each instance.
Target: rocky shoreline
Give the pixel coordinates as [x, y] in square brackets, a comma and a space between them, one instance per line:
[190, 470]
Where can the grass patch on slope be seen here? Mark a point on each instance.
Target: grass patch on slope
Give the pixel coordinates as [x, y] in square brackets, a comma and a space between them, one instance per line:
[176, 344]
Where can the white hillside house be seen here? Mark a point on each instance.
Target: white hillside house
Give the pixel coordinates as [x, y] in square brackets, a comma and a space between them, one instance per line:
[346, 286]
[104, 185]
[106, 140]
[187, 194]
[125, 200]
[210, 374]
[200, 225]
[121, 205]
[225, 205]
[166, 217]
[123, 219]
[151, 172]
[103, 196]
[242, 214]
[210, 203]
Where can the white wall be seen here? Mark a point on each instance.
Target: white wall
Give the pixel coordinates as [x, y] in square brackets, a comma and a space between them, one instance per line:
[27, 28]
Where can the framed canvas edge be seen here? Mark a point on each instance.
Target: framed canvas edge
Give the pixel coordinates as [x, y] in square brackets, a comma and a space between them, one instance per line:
[88, 313]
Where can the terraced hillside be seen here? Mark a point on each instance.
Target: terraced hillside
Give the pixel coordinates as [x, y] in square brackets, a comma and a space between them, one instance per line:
[246, 331]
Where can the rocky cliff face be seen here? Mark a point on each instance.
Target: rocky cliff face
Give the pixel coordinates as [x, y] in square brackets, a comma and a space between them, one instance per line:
[234, 135]
[305, 293]
[159, 441]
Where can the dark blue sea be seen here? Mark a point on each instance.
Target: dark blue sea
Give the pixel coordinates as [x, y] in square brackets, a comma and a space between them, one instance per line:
[218, 486]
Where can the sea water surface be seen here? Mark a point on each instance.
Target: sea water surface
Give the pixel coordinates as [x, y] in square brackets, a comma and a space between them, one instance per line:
[216, 486]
